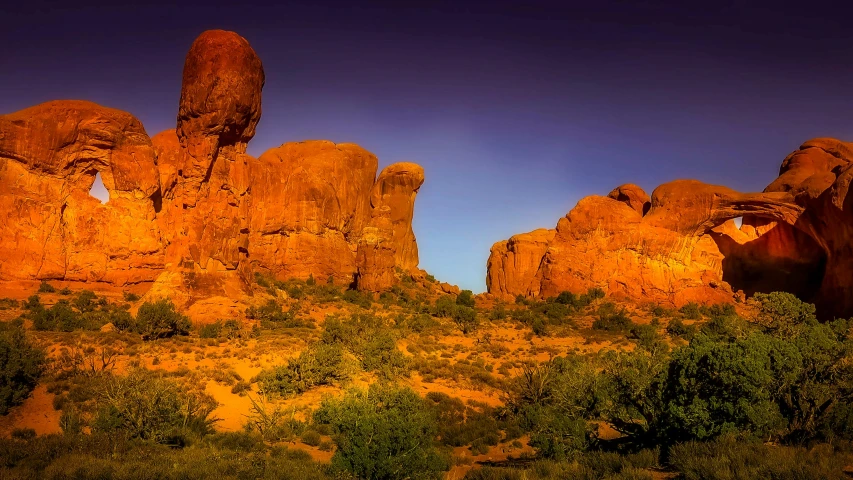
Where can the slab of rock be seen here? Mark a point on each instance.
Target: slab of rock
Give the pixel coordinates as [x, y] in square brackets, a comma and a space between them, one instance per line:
[396, 188]
[310, 202]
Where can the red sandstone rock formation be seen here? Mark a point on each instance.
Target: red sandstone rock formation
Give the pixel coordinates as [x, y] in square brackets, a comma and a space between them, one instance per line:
[796, 236]
[396, 188]
[633, 196]
[51, 227]
[189, 207]
[376, 253]
[310, 202]
[513, 263]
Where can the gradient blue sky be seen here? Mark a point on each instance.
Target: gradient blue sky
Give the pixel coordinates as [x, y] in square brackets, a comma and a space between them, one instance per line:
[516, 110]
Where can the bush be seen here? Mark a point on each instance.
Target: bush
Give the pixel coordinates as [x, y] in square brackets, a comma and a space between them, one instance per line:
[612, 320]
[86, 301]
[129, 296]
[311, 437]
[362, 299]
[32, 303]
[465, 318]
[781, 310]
[385, 432]
[465, 298]
[46, 288]
[445, 306]
[691, 311]
[211, 330]
[677, 328]
[320, 364]
[539, 327]
[368, 338]
[21, 365]
[58, 317]
[144, 405]
[566, 298]
[160, 320]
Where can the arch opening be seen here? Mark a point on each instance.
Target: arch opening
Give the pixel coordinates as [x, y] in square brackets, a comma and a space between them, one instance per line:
[98, 190]
[782, 258]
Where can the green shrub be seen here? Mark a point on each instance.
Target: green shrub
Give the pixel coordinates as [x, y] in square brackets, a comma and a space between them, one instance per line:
[23, 433]
[32, 303]
[445, 306]
[465, 298]
[147, 406]
[677, 328]
[46, 288]
[539, 327]
[612, 320]
[780, 310]
[385, 432]
[311, 437]
[86, 301]
[731, 457]
[369, 339]
[498, 313]
[160, 320]
[130, 296]
[362, 299]
[320, 364]
[465, 318]
[691, 311]
[21, 365]
[211, 330]
[647, 337]
[566, 298]
[100, 456]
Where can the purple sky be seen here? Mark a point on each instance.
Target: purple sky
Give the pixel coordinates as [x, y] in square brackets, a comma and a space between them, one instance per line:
[516, 110]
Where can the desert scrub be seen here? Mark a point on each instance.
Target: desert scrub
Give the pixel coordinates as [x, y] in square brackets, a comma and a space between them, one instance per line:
[160, 320]
[21, 365]
[384, 432]
[319, 364]
[148, 406]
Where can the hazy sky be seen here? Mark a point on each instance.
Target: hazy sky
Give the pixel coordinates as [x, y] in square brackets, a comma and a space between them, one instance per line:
[516, 110]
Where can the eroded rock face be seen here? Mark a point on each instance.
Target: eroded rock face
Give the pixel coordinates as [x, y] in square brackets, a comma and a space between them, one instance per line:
[513, 263]
[375, 256]
[796, 236]
[396, 188]
[51, 227]
[633, 196]
[310, 202]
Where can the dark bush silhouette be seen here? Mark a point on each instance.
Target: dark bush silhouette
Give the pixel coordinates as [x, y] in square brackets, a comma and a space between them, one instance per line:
[159, 320]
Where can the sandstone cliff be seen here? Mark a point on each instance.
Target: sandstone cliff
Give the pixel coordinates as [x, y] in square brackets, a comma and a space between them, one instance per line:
[681, 244]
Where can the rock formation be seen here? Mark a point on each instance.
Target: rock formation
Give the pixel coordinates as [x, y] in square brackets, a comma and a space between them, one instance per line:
[189, 209]
[396, 188]
[310, 202]
[513, 263]
[51, 227]
[683, 246]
